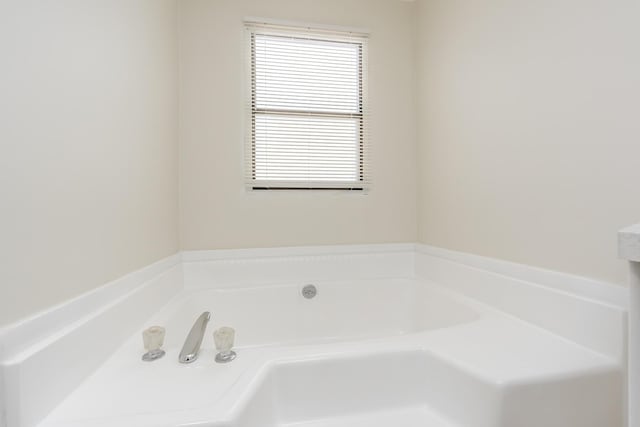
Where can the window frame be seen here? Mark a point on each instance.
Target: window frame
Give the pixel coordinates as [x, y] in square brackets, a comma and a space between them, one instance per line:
[357, 38]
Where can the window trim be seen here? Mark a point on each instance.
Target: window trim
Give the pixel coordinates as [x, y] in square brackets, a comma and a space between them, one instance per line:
[331, 34]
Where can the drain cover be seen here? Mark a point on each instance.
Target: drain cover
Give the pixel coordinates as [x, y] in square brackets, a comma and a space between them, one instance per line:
[309, 291]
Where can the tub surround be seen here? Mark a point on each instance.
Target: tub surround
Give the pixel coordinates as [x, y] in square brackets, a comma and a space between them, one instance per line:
[629, 249]
[593, 315]
[468, 366]
[518, 307]
[243, 267]
[567, 283]
[45, 357]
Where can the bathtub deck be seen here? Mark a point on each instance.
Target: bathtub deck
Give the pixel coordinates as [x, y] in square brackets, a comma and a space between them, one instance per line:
[404, 417]
[498, 351]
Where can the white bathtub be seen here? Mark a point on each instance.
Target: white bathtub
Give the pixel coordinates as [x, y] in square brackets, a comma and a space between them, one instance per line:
[362, 353]
[353, 310]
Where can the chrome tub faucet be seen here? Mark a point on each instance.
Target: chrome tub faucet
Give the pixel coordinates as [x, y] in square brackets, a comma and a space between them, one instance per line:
[193, 342]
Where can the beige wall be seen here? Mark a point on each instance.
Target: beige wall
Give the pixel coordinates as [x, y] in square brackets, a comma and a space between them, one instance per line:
[527, 135]
[529, 141]
[216, 210]
[88, 138]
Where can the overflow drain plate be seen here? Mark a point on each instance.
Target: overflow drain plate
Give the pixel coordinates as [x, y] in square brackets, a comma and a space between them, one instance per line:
[309, 291]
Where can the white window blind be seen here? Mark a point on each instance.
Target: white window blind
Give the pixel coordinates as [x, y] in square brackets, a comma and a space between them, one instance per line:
[308, 118]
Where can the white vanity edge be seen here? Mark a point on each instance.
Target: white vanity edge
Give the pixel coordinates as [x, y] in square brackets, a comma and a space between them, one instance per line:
[629, 243]
[35, 354]
[3, 414]
[629, 249]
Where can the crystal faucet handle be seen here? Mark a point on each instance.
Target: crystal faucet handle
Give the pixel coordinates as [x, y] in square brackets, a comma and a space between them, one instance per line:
[153, 339]
[223, 338]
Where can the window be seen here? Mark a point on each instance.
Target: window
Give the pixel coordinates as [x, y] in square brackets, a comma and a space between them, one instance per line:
[308, 109]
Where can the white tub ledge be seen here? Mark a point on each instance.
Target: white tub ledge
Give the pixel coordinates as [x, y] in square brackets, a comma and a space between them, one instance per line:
[420, 335]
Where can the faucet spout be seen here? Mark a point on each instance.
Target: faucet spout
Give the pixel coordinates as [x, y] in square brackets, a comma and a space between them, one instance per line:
[193, 342]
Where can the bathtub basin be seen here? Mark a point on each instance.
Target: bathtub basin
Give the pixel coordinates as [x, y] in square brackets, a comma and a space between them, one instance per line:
[398, 352]
[279, 315]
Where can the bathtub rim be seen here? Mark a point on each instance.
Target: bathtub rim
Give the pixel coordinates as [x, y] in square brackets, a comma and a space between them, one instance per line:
[67, 325]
